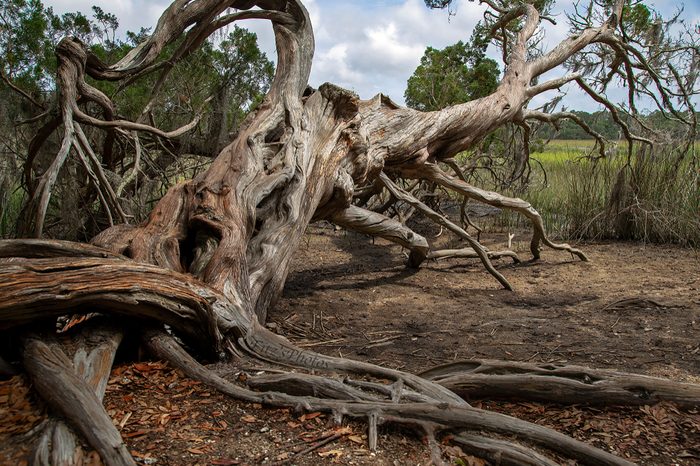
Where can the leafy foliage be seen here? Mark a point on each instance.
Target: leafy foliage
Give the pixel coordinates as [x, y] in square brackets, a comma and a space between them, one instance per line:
[229, 72]
[458, 73]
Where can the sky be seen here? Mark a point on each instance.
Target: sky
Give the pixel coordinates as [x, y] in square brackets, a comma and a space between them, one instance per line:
[369, 46]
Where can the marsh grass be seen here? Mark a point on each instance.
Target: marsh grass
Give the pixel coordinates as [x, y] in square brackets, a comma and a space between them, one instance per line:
[652, 199]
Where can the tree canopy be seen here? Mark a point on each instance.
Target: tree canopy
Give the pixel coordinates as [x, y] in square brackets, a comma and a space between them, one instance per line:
[227, 75]
[453, 75]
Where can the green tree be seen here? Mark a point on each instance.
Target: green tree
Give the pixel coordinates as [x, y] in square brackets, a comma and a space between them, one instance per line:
[458, 73]
[221, 81]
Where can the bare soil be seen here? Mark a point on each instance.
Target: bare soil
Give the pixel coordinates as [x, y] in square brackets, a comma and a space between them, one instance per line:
[634, 307]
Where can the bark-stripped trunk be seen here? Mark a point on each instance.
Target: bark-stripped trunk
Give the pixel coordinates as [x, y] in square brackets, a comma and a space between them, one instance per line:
[212, 258]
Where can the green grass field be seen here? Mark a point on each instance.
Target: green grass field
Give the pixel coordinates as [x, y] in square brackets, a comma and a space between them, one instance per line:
[654, 198]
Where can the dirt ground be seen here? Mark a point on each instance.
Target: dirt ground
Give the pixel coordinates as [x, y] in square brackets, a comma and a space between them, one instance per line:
[633, 307]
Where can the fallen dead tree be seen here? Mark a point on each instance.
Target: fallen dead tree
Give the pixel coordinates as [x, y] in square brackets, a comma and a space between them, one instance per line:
[211, 260]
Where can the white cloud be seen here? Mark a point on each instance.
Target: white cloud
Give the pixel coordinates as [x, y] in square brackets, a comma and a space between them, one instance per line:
[368, 46]
[381, 42]
[132, 14]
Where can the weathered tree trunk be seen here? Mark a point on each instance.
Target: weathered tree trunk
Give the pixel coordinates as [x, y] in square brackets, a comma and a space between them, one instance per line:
[212, 258]
[94, 348]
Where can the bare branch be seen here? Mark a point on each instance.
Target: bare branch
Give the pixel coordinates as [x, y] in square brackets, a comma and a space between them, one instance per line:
[615, 114]
[131, 126]
[442, 220]
[20, 91]
[552, 84]
[553, 118]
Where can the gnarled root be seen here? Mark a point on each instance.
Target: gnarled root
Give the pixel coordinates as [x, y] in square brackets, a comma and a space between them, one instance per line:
[70, 395]
[408, 399]
[94, 350]
[500, 451]
[444, 416]
[559, 384]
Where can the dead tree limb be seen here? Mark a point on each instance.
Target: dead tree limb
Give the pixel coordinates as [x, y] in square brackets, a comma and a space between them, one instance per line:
[54, 377]
[560, 384]
[430, 213]
[94, 351]
[371, 223]
[433, 172]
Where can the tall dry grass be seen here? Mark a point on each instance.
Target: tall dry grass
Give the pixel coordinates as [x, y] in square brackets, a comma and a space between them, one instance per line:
[652, 198]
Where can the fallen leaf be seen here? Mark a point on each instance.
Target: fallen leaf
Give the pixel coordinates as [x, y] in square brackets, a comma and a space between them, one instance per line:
[143, 367]
[225, 462]
[346, 430]
[325, 454]
[249, 419]
[125, 419]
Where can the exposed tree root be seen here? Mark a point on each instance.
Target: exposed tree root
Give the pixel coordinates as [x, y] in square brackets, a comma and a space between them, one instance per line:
[500, 452]
[69, 395]
[265, 345]
[411, 400]
[215, 252]
[559, 384]
[444, 415]
[94, 351]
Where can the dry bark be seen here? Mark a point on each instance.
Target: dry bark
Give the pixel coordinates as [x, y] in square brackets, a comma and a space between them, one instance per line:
[560, 384]
[54, 378]
[94, 351]
[212, 258]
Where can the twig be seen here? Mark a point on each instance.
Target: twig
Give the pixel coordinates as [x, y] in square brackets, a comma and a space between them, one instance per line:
[613, 325]
[321, 343]
[313, 447]
[372, 431]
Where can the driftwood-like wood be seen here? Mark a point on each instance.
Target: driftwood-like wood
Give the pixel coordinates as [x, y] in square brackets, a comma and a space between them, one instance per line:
[375, 224]
[440, 414]
[46, 249]
[343, 398]
[469, 253]
[501, 452]
[35, 289]
[69, 395]
[399, 193]
[551, 383]
[212, 257]
[95, 347]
